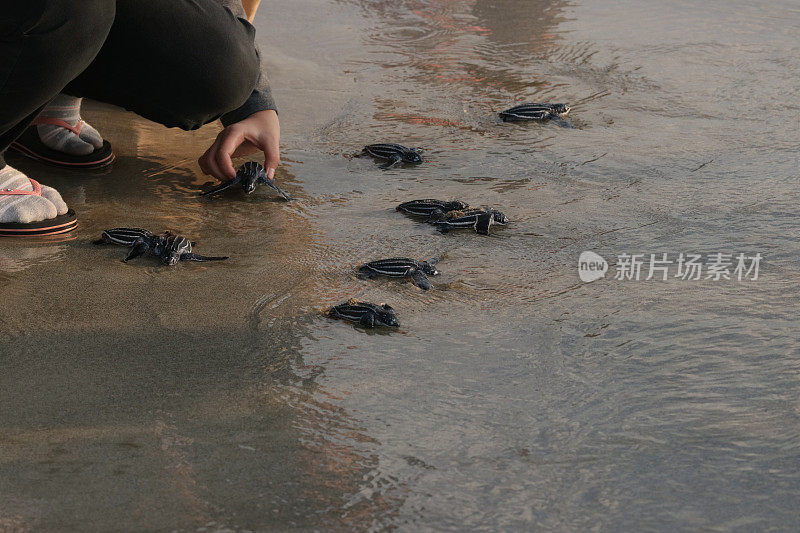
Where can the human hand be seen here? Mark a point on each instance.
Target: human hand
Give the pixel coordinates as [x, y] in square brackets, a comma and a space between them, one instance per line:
[259, 131]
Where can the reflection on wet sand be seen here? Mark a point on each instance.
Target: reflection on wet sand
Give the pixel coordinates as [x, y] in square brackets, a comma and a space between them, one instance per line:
[483, 52]
[530, 25]
[155, 384]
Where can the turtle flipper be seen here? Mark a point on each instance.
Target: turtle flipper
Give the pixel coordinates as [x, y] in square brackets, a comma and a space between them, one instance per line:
[140, 247]
[368, 319]
[271, 184]
[392, 162]
[221, 187]
[201, 258]
[483, 223]
[421, 280]
[558, 121]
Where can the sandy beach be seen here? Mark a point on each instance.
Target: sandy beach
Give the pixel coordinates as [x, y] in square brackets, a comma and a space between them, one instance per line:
[514, 397]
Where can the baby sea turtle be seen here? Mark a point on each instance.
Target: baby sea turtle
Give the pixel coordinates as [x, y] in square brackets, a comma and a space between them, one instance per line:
[169, 248]
[481, 219]
[367, 314]
[393, 153]
[540, 112]
[249, 176]
[401, 267]
[124, 236]
[428, 206]
[129, 236]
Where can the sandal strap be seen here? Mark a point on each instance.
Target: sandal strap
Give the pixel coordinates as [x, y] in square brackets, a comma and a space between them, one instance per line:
[76, 129]
[37, 190]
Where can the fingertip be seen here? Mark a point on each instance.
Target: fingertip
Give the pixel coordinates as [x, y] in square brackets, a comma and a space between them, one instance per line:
[213, 169]
[271, 173]
[225, 165]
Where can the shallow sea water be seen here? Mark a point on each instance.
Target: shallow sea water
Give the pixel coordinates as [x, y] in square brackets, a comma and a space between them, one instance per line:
[514, 397]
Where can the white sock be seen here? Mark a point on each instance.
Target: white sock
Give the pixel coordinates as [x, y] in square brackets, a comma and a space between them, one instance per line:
[68, 109]
[26, 208]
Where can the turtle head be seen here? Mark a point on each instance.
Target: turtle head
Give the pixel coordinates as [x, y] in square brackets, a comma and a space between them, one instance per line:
[249, 183]
[174, 246]
[171, 255]
[561, 109]
[385, 316]
[499, 217]
[413, 155]
[428, 268]
[249, 174]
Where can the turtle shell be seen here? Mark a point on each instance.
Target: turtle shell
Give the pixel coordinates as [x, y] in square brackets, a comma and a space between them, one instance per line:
[391, 150]
[365, 313]
[123, 236]
[427, 206]
[534, 111]
[393, 266]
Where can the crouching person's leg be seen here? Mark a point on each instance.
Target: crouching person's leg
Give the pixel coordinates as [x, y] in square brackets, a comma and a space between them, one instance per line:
[59, 136]
[44, 44]
[182, 63]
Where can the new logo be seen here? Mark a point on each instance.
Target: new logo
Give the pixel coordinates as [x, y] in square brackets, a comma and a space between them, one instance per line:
[591, 266]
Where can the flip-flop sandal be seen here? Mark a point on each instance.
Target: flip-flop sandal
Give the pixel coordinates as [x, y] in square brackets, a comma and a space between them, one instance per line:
[52, 226]
[30, 145]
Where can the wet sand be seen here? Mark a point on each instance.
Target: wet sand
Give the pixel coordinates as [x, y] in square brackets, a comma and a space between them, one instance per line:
[514, 397]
